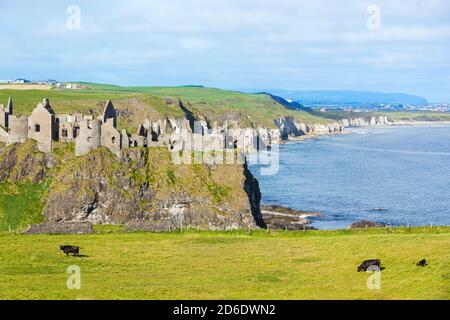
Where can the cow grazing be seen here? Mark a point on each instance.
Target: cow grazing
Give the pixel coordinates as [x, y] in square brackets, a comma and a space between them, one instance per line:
[70, 249]
[369, 263]
[422, 263]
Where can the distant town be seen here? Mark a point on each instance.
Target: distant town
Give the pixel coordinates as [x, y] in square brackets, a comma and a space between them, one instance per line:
[50, 82]
[432, 107]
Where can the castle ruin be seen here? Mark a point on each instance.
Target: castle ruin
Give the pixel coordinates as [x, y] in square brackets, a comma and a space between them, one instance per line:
[46, 127]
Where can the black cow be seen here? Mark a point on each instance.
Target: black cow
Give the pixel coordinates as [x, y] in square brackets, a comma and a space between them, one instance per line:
[70, 249]
[369, 263]
[422, 263]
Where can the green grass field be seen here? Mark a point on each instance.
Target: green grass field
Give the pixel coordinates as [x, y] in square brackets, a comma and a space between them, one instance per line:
[228, 265]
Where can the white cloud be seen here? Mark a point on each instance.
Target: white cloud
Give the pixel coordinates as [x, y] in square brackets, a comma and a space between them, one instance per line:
[233, 42]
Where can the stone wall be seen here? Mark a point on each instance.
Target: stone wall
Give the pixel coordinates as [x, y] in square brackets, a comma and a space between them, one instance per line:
[3, 117]
[5, 112]
[110, 137]
[18, 129]
[3, 135]
[67, 127]
[89, 137]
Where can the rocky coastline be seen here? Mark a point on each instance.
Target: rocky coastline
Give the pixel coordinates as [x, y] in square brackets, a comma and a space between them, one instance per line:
[280, 217]
[81, 190]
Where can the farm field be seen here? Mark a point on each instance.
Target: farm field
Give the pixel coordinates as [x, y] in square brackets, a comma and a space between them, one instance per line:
[227, 265]
[25, 87]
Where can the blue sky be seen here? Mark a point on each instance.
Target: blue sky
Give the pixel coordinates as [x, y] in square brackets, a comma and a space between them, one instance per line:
[236, 44]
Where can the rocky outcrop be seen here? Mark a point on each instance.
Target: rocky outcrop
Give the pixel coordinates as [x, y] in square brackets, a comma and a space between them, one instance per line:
[144, 185]
[141, 186]
[23, 162]
[279, 217]
[251, 187]
[364, 224]
[290, 128]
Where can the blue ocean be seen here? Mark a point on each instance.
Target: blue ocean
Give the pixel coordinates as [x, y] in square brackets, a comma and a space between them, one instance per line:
[396, 175]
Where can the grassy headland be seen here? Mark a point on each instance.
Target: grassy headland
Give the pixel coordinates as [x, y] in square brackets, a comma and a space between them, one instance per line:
[137, 103]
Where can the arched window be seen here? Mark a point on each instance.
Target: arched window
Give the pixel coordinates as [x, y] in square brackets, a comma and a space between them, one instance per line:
[113, 140]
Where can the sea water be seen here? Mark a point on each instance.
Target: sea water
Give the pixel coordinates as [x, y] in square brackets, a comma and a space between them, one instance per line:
[396, 175]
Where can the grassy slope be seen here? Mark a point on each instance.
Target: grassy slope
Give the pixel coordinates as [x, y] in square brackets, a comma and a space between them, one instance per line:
[136, 106]
[21, 204]
[235, 265]
[208, 103]
[212, 102]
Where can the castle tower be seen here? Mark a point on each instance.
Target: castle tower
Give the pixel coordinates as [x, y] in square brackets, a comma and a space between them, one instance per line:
[42, 126]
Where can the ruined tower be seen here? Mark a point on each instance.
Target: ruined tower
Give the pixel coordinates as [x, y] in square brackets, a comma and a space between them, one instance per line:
[42, 126]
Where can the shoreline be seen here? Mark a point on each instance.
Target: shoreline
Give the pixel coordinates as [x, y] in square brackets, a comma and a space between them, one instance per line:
[419, 123]
[395, 124]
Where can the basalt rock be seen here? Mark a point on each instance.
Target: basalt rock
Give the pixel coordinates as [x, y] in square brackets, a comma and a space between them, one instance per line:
[23, 162]
[279, 217]
[363, 224]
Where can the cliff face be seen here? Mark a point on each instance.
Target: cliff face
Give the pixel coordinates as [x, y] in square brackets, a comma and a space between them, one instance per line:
[141, 185]
[21, 163]
[179, 133]
[366, 122]
[290, 128]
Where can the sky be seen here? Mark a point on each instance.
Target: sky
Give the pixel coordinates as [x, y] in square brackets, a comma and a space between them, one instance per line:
[377, 45]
